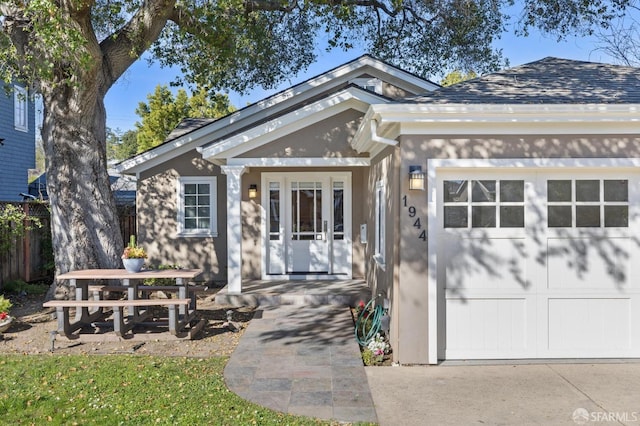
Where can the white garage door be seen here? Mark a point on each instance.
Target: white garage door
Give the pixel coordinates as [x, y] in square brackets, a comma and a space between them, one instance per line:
[540, 264]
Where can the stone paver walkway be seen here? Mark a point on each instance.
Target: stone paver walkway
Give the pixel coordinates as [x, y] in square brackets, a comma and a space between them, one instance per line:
[304, 361]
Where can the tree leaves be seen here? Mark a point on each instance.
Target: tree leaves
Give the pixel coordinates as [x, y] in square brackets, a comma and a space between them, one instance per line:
[164, 111]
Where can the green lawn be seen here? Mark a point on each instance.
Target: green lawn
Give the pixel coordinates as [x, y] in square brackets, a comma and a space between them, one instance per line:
[121, 389]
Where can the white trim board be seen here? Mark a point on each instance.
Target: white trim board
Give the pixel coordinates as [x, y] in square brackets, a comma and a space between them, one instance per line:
[301, 162]
[395, 119]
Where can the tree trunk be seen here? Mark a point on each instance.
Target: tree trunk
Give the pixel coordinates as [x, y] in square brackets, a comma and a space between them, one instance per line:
[85, 227]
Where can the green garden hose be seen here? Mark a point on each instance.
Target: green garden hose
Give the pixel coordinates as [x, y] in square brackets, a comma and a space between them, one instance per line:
[368, 323]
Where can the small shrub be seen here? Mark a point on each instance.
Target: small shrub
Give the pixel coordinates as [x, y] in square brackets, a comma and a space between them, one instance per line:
[14, 286]
[20, 287]
[5, 305]
[367, 357]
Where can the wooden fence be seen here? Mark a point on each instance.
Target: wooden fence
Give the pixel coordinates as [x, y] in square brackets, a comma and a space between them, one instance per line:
[30, 258]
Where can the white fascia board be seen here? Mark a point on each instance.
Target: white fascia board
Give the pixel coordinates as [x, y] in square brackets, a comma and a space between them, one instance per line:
[342, 73]
[434, 165]
[402, 78]
[492, 119]
[181, 144]
[350, 98]
[301, 162]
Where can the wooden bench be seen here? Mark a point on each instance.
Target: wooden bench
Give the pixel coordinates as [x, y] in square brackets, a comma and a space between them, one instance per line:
[120, 326]
[145, 288]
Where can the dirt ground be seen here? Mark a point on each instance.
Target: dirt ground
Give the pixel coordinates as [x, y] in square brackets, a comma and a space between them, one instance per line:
[31, 333]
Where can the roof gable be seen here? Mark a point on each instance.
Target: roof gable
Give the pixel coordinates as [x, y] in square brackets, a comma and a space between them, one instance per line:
[547, 81]
[191, 134]
[350, 98]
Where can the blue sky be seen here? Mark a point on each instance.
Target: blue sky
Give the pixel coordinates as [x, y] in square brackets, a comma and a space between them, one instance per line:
[140, 79]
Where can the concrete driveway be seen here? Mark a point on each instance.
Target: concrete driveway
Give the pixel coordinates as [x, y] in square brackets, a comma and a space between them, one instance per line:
[538, 394]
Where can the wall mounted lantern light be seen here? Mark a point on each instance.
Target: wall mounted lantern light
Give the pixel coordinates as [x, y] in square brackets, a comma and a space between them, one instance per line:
[253, 190]
[416, 178]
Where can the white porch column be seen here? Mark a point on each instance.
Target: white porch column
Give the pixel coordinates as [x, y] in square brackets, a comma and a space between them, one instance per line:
[234, 226]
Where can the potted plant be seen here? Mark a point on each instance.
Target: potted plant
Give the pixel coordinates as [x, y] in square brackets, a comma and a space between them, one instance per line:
[5, 318]
[133, 256]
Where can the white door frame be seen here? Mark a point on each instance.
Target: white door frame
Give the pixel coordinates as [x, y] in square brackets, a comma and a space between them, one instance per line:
[437, 313]
[339, 251]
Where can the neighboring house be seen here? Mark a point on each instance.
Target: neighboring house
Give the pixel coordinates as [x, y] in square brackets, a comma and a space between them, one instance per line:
[499, 216]
[17, 141]
[123, 187]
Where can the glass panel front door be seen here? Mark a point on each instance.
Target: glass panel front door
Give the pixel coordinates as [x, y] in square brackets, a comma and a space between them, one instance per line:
[306, 211]
[307, 224]
[308, 248]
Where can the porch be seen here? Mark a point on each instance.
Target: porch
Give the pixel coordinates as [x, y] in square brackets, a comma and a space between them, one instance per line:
[288, 292]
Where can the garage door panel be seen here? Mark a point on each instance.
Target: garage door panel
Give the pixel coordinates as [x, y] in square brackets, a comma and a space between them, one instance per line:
[481, 328]
[564, 283]
[590, 263]
[588, 327]
[485, 263]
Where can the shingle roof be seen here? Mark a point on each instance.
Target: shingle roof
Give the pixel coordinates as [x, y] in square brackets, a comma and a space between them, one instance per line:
[188, 125]
[547, 81]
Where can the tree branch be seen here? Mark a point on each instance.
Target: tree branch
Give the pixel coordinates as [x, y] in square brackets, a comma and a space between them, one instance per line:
[125, 46]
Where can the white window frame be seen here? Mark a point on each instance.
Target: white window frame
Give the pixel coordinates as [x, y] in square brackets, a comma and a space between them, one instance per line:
[20, 108]
[380, 223]
[368, 83]
[213, 207]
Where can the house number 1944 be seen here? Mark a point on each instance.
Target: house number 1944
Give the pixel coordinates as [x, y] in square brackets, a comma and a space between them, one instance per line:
[417, 223]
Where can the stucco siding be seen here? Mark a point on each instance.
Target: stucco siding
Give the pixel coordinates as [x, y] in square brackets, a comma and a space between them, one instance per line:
[525, 146]
[412, 274]
[157, 202]
[380, 277]
[328, 139]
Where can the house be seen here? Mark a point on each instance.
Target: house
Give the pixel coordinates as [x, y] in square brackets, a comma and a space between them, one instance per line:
[123, 187]
[17, 141]
[497, 217]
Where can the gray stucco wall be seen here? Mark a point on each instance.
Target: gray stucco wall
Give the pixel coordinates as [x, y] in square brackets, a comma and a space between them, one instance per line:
[157, 214]
[381, 278]
[157, 200]
[327, 138]
[411, 299]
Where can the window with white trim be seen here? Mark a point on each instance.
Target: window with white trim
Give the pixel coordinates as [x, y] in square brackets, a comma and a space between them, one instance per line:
[380, 222]
[197, 206]
[371, 84]
[20, 109]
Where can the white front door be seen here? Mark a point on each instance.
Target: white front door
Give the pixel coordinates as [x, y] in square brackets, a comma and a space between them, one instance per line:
[307, 224]
[307, 210]
[539, 264]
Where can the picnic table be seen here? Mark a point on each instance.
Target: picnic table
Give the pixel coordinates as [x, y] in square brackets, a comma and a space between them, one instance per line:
[92, 307]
